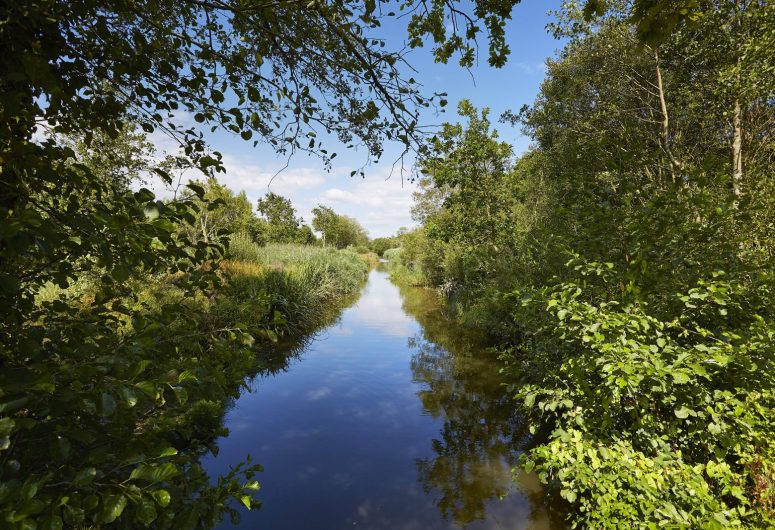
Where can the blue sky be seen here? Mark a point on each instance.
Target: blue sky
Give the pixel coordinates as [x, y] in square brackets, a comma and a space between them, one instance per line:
[379, 203]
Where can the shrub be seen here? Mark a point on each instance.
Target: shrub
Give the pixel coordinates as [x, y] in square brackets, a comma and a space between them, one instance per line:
[664, 420]
[243, 248]
[392, 254]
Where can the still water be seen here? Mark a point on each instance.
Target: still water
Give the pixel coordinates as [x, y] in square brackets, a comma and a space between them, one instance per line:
[390, 419]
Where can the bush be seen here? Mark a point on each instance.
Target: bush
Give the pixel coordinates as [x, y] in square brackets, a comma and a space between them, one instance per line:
[243, 248]
[666, 420]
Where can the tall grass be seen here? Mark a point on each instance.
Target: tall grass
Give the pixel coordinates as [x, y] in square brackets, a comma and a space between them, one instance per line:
[392, 254]
[286, 289]
[403, 273]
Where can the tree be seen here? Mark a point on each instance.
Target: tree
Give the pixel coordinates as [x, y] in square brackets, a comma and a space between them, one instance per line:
[282, 225]
[124, 159]
[463, 199]
[221, 212]
[103, 394]
[324, 220]
[338, 230]
[626, 264]
[379, 245]
[99, 397]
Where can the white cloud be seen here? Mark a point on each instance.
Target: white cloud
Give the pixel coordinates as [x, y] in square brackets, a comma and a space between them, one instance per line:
[337, 195]
[531, 69]
[380, 204]
[257, 180]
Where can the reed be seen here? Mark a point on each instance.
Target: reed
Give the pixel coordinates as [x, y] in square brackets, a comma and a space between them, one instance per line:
[284, 288]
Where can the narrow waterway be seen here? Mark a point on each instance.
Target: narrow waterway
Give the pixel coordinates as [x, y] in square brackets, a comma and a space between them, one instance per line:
[391, 419]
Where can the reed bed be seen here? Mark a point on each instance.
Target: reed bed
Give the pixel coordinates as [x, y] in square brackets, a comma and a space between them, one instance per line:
[286, 289]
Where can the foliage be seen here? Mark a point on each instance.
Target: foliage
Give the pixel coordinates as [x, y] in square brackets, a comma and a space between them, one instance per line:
[643, 364]
[392, 254]
[280, 222]
[242, 247]
[338, 230]
[108, 399]
[122, 160]
[110, 395]
[220, 211]
[381, 244]
[286, 290]
[685, 400]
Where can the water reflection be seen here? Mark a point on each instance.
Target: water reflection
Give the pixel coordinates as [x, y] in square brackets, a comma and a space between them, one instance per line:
[387, 420]
[480, 437]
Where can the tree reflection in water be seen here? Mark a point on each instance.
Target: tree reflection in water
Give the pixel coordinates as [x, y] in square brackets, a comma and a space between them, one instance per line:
[481, 434]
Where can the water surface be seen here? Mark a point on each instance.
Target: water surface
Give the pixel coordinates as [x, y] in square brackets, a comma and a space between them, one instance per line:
[391, 418]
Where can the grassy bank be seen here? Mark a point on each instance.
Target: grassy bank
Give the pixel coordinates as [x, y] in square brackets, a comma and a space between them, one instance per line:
[286, 290]
[402, 270]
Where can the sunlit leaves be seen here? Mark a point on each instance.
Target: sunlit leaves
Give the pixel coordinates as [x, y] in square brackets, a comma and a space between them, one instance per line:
[113, 506]
[154, 473]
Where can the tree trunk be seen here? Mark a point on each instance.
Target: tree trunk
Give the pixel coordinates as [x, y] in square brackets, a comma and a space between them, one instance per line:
[737, 150]
[675, 166]
[203, 222]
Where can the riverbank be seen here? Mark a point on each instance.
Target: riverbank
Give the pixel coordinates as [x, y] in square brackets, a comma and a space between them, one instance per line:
[168, 375]
[286, 290]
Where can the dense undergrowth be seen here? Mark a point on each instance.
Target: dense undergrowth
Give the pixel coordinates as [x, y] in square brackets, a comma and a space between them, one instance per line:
[625, 266]
[98, 438]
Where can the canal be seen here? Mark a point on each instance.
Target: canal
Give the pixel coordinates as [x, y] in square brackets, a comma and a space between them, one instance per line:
[392, 418]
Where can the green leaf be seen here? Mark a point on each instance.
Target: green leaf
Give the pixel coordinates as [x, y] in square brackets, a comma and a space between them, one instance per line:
[13, 404]
[180, 394]
[154, 473]
[252, 485]
[162, 497]
[187, 375]
[196, 188]
[139, 367]
[112, 507]
[130, 398]
[167, 451]
[85, 476]
[680, 378]
[148, 389]
[568, 495]
[146, 511]
[246, 500]
[683, 412]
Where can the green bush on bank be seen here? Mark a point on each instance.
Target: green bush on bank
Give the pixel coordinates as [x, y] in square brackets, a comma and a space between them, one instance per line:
[392, 254]
[164, 394]
[667, 421]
